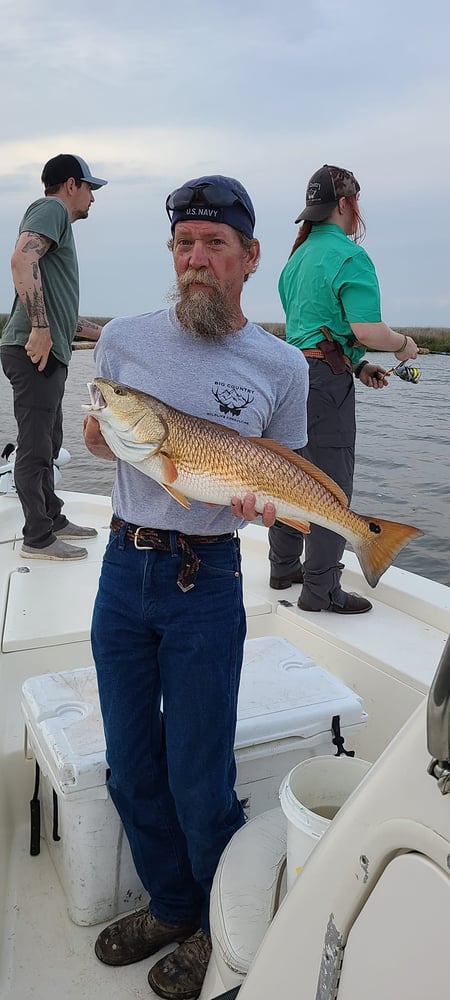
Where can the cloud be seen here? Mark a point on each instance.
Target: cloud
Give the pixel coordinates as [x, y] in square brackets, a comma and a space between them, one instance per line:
[151, 94]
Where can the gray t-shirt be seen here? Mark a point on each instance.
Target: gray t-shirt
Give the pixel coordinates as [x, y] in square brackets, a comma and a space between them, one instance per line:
[59, 274]
[249, 381]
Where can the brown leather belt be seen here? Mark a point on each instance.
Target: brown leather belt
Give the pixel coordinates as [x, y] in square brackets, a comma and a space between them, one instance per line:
[156, 538]
[315, 352]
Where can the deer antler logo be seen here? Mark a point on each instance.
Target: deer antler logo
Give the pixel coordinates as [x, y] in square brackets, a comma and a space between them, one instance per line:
[232, 400]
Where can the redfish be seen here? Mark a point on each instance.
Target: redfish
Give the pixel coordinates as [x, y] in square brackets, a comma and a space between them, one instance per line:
[198, 459]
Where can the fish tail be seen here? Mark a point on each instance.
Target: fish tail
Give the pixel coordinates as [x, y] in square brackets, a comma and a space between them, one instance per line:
[376, 553]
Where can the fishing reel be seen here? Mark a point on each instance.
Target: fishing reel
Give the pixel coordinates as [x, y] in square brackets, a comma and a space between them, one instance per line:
[408, 373]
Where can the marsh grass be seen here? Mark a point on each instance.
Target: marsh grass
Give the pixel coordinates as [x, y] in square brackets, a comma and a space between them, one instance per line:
[435, 338]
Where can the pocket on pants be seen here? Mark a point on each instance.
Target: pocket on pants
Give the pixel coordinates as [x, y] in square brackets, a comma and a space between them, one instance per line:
[331, 411]
[219, 559]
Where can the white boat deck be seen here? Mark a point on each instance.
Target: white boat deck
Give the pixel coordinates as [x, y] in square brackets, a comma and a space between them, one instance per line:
[388, 656]
[43, 954]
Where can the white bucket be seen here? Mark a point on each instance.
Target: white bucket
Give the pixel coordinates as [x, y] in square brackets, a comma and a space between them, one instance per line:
[311, 795]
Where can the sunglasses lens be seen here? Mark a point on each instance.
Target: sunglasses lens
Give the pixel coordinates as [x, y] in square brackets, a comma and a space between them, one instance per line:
[213, 194]
[219, 197]
[180, 198]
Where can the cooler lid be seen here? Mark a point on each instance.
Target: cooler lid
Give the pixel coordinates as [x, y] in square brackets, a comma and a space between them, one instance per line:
[65, 728]
[284, 693]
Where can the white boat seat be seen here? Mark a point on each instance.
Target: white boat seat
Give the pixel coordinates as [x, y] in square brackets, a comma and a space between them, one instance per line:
[248, 887]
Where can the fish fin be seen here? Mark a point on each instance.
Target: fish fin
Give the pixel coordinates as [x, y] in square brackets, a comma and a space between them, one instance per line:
[170, 471]
[376, 553]
[179, 497]
[302, 526]
[305, 466]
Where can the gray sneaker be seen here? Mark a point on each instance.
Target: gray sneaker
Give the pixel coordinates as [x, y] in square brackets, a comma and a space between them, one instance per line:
[180, 975]
[75, 531]
[57, 550]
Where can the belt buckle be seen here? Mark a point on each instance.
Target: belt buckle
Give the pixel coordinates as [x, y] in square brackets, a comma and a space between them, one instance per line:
[136, 539]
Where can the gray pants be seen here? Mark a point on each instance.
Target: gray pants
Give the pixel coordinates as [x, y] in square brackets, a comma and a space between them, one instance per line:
[331, 446]
[38, 412]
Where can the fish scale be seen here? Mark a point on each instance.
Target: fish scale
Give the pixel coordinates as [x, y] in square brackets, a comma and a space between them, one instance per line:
[195, 458]
[263, 469]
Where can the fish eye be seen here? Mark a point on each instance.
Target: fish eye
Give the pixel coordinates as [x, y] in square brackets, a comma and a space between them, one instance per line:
[119, 392]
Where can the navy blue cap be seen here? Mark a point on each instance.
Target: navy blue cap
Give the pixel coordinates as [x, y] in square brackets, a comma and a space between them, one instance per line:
[212, 198]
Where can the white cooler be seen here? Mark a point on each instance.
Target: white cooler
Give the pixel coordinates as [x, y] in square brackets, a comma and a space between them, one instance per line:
[285, 712]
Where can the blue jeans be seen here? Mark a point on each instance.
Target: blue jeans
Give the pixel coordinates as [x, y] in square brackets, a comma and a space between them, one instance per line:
[172, 770]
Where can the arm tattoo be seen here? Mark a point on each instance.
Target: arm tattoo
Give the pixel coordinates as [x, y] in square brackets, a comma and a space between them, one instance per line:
[36, 311]
[88, 329]
[88, 325]
[36, 244]
[26, 270]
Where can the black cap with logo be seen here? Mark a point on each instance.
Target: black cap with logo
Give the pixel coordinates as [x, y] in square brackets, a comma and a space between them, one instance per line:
[325, 187]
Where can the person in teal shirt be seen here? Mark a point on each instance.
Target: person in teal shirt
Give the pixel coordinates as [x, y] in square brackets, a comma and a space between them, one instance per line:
[331, 297]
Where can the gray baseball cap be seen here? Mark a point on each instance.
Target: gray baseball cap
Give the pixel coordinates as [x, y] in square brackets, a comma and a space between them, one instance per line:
[65, 165]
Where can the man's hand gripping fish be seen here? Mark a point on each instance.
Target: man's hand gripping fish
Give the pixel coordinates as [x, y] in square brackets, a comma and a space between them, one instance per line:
[196, 458]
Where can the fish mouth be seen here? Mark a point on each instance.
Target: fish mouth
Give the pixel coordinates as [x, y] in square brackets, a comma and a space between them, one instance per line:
[97, 401]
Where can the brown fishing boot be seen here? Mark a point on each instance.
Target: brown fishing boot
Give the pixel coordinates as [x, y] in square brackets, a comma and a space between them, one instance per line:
[180, 975]
[137, 936]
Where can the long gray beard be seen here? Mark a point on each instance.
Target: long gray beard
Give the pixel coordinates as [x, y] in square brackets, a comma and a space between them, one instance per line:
[205, 314]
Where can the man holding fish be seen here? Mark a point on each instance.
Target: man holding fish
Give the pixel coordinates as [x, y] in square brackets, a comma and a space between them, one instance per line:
[169, 618]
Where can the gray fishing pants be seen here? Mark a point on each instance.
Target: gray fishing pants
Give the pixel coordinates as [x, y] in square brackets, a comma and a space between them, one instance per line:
[331, 446]
[38, 412]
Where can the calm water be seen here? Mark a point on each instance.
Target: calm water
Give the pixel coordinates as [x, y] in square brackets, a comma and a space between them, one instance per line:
[403, 453]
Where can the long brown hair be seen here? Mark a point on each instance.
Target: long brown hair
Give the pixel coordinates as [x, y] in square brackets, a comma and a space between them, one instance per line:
[302, 235]
[358, 226]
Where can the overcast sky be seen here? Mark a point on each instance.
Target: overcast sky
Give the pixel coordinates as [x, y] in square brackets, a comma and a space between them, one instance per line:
[152, 93]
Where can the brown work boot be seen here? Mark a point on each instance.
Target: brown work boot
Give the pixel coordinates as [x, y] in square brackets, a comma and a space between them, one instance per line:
[180, 975]
[137, 936]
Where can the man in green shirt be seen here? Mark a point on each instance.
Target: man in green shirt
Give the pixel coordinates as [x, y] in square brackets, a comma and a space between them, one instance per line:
[36, 348]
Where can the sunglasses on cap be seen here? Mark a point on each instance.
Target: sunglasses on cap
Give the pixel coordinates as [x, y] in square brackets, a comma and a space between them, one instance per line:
[216, 195]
